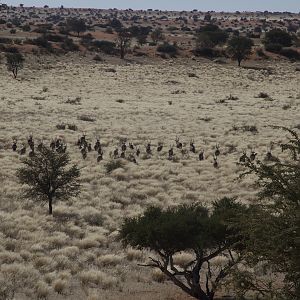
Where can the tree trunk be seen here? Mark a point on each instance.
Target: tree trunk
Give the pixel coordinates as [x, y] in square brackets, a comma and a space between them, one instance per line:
[239, 61]
[50, 205]
[122, 53]
[15, 73]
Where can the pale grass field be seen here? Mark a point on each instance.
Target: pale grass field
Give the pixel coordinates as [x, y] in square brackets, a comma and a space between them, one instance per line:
[76, 254]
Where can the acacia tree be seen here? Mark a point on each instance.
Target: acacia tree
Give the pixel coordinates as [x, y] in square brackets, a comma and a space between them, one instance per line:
[188, 228]
[76, 25]
[47, 178]
[239, 48]
[14, 63]
[157, 35]
[276, 239]
[123, 41]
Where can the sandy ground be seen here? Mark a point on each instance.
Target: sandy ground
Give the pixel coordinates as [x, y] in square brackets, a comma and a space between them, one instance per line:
[46, 254]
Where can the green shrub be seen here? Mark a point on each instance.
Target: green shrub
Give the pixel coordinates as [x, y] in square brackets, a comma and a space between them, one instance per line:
[105, 46]
[167, 49]
[275, 48]
[69, 45]
[278, 36]
[290, 53]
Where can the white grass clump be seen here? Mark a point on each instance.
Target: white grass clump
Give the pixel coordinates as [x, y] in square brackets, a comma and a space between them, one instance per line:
[183, 258]
[109, 260]
[97, 278]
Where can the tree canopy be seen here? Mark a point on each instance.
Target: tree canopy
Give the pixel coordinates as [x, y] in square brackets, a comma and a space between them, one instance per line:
[279, 37]
[188, 228]
[14, 62]
[239, 48]
[76, 25]
[276, 239]
[210, 36]
[46, 177]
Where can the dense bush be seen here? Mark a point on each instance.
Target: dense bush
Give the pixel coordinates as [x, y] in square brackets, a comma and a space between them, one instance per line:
[290, 53]
[69, 45]
[54, 38]
[5, 40]
[26, 27]
[271, 47]
[210, 36]
[105, 46]
[278, 36]
[208, 52]
[86, 39]
[42, 42]
[167, 49]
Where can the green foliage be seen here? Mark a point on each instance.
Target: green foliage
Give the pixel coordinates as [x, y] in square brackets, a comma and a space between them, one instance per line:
[26, 27]
[123, 41]
[157, 35]
[167, 48]
[276, 239]
[115, 23]
[273, 47]
[188, 228]
[239, 48]
[76, 25]
[105, 46]
[43, 42]
[278, 36]
[69, 45]
[47, 178]
[210, 36]
[290, 53]
[14, 62]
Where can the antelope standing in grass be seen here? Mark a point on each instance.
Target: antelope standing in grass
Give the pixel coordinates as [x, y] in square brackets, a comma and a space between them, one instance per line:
[148, 149]
[253, 155]
[201, 155]
[216, 164]
[217, 151]
[192, 146]
[159, 147]
[14, 146]
[244, 157]
[178, 144]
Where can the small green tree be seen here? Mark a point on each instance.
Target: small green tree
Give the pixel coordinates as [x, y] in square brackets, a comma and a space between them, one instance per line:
[188, 228]
[76, 25]
[47, 178]
[239, 48]
[276, 239]
[157, 35]
[123, 41]
[14, 63]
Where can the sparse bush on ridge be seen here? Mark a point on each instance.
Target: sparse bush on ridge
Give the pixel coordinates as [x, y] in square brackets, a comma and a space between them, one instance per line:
[167, 49]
